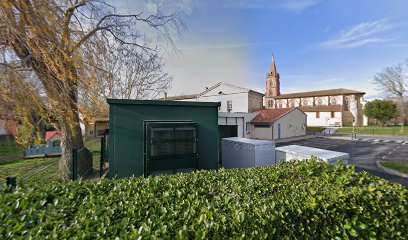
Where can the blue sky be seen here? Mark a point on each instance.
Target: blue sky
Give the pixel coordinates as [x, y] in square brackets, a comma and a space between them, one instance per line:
[318, 44]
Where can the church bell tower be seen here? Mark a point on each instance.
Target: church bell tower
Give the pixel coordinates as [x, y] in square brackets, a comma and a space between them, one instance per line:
[272, 81]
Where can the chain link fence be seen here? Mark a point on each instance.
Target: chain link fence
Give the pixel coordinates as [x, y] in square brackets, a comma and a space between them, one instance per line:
[87, 164]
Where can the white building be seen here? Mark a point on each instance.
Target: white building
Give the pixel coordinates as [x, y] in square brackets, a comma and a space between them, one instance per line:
[238, 107]
[332, 107]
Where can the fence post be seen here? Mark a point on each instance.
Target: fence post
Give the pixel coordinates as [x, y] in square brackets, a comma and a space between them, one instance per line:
[11, 181]
[102, 156]
[74, 164]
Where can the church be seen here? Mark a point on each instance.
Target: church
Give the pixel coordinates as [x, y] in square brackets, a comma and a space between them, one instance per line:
[331, 107]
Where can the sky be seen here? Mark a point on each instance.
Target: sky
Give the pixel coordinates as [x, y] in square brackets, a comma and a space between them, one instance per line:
[317, 44]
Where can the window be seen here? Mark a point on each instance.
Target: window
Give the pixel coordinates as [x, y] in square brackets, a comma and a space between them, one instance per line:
[229, 106]
[305, 103]
[320, 102]
[333, 115]
[280, 105]
[292, 104]
[347, 104]
[261, 125]
[317, 114]
[334, 101]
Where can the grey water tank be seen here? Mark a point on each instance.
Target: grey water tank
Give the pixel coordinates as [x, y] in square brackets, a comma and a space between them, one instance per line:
[247, 153]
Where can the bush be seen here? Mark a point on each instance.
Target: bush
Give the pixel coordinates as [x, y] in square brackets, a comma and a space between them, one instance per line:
[293, 200]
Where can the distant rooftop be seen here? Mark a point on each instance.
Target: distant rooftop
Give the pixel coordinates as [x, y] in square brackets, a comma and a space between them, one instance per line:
[329, 92]
[208, 89]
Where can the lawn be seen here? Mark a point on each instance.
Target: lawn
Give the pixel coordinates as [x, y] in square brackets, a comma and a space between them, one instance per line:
[315, 129]
[375, 130]
[10, 151]
[37, 170]
[396, 166]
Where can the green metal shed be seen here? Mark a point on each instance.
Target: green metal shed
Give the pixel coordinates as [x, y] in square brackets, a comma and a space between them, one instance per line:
[154, 136]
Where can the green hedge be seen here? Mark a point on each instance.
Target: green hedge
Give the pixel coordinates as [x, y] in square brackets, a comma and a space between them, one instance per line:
[293, 200]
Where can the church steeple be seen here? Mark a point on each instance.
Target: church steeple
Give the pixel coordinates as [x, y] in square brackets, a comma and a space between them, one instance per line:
[272, 81]
[272, 69]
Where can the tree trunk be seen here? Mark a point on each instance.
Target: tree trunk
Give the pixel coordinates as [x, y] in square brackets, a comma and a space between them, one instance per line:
[401, 106]
[71, 138]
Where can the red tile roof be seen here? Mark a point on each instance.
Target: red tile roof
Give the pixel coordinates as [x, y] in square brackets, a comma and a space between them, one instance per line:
[271, 115]
[49, 135]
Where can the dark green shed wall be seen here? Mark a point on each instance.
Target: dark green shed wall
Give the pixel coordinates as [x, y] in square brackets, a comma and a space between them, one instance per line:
[126, 134]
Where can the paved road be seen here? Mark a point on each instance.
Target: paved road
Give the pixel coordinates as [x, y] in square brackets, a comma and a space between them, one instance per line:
[364, 153]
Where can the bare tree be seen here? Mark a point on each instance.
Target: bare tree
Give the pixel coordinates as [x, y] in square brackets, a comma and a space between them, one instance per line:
[128, 74]
[52, 38]
[393, 82]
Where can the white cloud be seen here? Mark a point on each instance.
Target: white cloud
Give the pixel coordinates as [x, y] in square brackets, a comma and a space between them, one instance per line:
[362, 34]
[298, 6]
[295, 6]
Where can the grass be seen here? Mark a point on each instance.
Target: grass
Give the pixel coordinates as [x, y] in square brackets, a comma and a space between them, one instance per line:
[10, 151]
[315, 129]
[375, 130]
[396, 166]
[12, 163]
[26, 169]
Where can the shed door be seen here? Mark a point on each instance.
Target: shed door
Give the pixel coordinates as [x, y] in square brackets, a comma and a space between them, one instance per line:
[170, 146]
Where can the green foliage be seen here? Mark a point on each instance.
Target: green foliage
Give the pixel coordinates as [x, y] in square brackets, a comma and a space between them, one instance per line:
[381, 110]
[289, 201]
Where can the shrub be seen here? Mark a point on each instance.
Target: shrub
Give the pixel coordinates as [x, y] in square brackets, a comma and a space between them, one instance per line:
[292, 200]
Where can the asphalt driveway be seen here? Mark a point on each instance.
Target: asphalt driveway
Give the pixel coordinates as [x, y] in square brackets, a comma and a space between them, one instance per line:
[364, 153]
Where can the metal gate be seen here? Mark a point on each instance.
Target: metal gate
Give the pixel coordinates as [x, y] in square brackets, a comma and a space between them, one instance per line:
[170, 146]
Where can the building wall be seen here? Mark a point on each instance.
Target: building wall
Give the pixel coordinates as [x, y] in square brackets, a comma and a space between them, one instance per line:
[307, 101]
[233, 121]
[264, 133]
[292, 124]
[344, 118]
[241, 120]
[127, 136]
[239, 101]
[254, 101]
[324, 120]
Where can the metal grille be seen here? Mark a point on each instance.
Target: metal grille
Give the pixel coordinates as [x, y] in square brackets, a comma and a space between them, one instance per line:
[172, 141]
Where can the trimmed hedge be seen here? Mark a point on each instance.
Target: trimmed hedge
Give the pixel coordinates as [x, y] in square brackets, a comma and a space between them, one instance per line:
[293, 200]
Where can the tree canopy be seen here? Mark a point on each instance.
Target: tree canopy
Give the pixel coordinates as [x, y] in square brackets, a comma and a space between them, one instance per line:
[57, 39]
[381, 110]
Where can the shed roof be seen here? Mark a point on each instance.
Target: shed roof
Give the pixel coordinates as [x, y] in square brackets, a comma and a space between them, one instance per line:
[162, 103]
[49, 135]
[271, 115]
